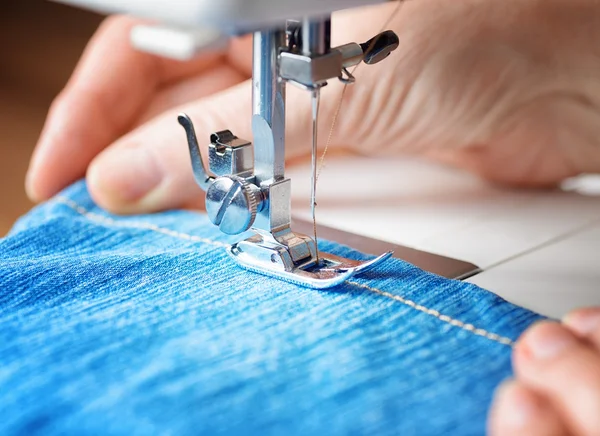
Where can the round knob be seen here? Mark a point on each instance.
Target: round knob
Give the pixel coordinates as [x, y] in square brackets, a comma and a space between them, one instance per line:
[232, 203]
[380, 47]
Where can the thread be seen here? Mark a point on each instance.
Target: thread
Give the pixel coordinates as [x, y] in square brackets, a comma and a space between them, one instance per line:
[316, 97]
[341, 100]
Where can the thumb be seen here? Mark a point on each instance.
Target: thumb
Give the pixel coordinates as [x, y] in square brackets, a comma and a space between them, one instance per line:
[149, 169]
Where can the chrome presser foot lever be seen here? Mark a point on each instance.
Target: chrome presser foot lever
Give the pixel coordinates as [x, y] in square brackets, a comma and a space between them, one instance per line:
[245, 184]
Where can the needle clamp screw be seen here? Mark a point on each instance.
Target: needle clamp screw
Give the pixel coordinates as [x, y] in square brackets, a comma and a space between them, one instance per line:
[232, 204]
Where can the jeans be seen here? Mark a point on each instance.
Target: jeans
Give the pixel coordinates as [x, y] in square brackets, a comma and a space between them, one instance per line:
[143, 325]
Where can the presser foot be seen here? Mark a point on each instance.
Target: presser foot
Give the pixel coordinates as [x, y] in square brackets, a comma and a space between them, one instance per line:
[268, 257]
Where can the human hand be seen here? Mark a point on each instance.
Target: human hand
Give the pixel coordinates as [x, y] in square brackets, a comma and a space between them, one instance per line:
[508, 90]
[557, 385]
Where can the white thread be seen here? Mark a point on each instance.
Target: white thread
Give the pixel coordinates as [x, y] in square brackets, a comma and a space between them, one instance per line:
[146, 226]
[341, 100]
[454, 322]
[133, 224]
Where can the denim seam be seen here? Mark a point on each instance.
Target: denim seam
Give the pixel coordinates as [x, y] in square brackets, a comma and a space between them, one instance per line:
[445, 318]
[94, 217]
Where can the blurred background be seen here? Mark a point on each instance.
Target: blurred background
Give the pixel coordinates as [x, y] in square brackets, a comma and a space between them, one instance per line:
[40, 43]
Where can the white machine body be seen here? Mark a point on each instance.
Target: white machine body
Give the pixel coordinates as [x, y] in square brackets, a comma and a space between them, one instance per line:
[229, 16]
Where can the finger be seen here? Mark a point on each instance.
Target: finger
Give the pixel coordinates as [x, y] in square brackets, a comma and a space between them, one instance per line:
[239, 54]
[149, 169]
[586, 324]
[520, 411]
[109, 88]
[565, 370]
[193, 88]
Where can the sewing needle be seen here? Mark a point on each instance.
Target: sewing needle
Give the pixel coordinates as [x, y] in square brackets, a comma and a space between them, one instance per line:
[316, 96]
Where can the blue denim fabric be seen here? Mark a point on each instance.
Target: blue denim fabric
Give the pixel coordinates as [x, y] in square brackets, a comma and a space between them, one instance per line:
[143, 325]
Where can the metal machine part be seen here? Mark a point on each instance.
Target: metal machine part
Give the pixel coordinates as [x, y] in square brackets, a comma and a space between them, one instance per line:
[312, 69]
[243, 195]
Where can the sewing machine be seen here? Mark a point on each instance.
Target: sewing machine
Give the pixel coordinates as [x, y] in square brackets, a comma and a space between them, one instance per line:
[436, 210]
[245, 182]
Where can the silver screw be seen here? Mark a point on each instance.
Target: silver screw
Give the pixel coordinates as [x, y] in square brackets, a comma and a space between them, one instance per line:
[232, 204]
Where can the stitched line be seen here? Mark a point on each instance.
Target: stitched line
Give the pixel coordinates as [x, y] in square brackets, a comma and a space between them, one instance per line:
[445, 318]
[134, 224]
[146, 226]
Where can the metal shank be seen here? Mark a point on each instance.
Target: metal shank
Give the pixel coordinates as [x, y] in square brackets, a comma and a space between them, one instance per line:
[268, 128]
[268, 103]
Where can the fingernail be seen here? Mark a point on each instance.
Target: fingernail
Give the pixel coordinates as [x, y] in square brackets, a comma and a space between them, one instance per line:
[515, 405]
[30, 186]
[125, 175]
[33, 169]
[547, 340]
[584, 321]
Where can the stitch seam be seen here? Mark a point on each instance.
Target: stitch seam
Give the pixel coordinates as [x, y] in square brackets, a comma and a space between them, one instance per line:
[445, 318]
[134, 224]
[168, 232]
